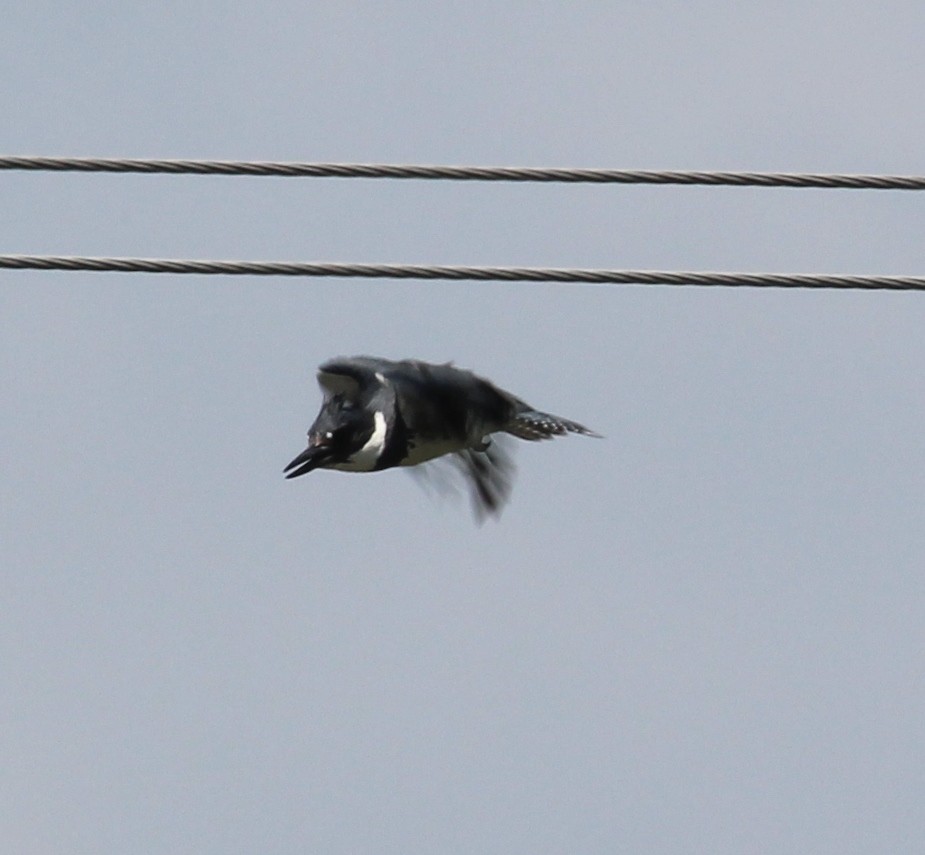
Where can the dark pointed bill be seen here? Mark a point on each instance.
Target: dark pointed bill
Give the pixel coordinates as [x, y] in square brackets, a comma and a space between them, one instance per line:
[311, 458]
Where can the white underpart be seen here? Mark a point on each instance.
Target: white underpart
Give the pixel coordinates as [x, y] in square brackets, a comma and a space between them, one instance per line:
[366, 458]
[430, 450]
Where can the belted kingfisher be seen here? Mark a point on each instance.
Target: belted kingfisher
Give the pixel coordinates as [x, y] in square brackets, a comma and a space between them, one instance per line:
[378, 413]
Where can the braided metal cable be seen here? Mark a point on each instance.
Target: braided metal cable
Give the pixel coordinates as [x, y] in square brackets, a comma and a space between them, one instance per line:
[453, 272]
[463, 173]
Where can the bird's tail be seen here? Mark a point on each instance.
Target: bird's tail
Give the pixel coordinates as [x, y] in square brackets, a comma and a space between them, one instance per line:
[533, 425]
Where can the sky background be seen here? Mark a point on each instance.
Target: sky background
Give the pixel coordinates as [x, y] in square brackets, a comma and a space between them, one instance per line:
[702, 634]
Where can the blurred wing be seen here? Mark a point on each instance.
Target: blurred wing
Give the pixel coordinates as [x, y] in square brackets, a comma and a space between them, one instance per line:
[487, 475]
[491, 477]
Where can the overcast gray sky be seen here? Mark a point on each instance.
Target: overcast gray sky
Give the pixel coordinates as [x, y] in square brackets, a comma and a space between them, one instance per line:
[704, 633]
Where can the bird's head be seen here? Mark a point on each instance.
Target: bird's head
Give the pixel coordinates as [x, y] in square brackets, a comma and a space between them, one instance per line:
[341, 428]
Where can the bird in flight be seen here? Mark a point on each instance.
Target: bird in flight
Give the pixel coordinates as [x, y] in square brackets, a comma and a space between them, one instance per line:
[379, 413]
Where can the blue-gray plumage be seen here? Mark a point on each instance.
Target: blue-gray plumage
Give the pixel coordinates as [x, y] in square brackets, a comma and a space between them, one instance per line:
[378, 414]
